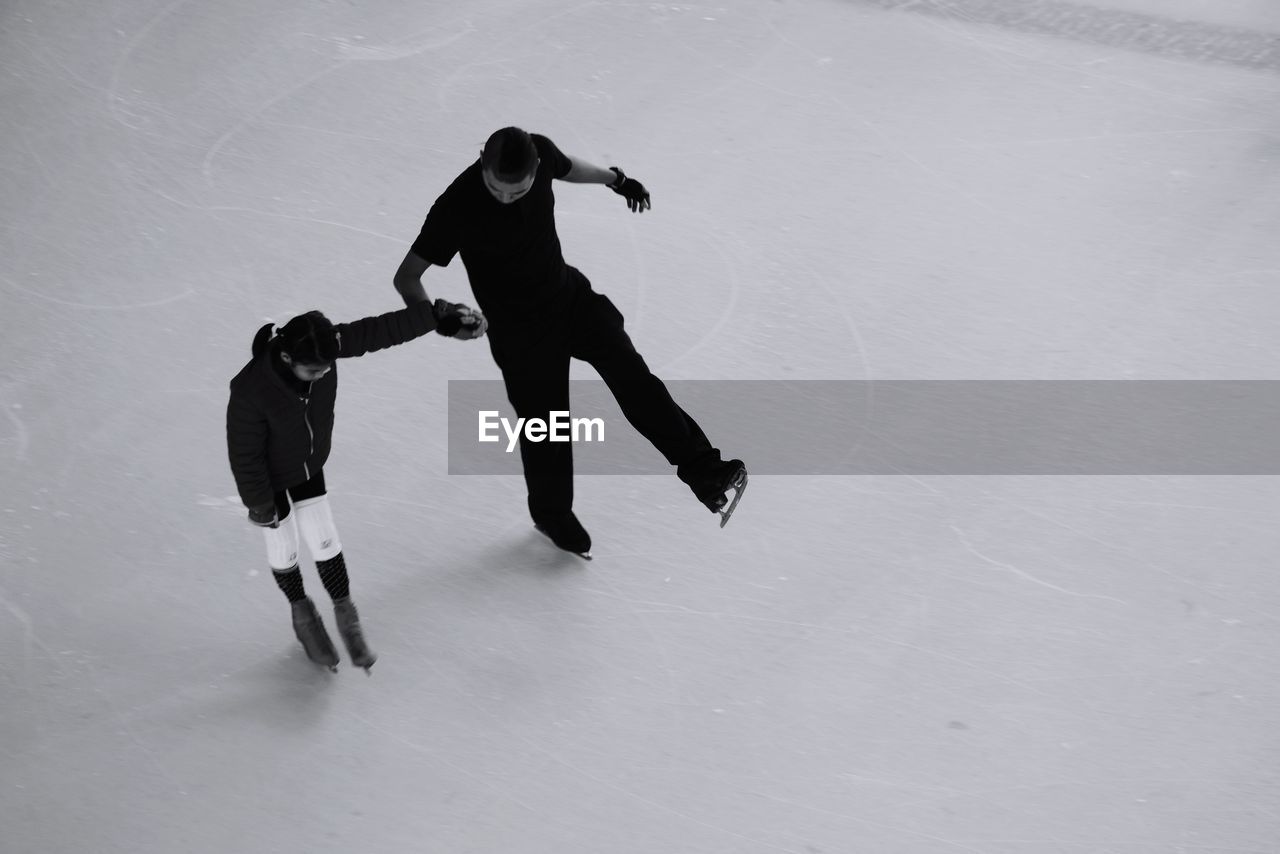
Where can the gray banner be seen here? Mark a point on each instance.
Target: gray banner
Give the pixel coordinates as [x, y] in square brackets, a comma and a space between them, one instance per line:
[919, 427]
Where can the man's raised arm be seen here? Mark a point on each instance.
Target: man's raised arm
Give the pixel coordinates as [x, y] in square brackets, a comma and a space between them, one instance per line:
[583, 172]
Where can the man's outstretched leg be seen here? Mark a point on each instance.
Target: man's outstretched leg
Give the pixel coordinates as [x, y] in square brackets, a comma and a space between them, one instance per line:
[647, 404]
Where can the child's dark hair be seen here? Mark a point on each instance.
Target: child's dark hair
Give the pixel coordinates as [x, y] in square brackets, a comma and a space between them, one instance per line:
[309, 339]
[509, 154]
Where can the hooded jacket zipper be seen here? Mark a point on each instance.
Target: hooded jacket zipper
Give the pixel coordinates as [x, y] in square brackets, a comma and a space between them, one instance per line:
[311, 434]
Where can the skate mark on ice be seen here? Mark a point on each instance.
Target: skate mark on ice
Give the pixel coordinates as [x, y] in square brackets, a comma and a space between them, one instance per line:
[440, 89]
[21, 436]
[41, 51]
[730, 77]
[964, 541]
[713, 239]
[942, 179]
[816, 628]
[348, 50]
[45, 172]
[346, 55]
[456, 511]
[663, 651]
[1109, 137]
[558, 759]
[856, 439]
[926, 794]
[1045, 517]
[1097, 504]
[1235, 511]
[555, 757]
[215, 209]
[311, 130]
[230, 506]
[114, 101]
[29, 636]
[206, 164]
[879, 825]
[200, 392]
[427, 751]
[91, 307]
[998, 796]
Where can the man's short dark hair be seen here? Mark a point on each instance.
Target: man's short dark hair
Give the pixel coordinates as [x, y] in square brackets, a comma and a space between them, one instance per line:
[509, 154]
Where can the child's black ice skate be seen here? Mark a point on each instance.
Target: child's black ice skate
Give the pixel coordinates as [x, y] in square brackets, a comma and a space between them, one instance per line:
[567, 533]
[352, 635]
[310, 630]
[713, 489]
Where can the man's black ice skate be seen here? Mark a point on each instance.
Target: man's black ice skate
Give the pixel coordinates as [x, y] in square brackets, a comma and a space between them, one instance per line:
[567, 533]
[310, 630]
[352, 635]
[713, 488]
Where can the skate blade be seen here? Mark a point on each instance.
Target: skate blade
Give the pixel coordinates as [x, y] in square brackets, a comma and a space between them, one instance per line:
[364, 661]
[584, 555]
[330, 664]
[739, 486]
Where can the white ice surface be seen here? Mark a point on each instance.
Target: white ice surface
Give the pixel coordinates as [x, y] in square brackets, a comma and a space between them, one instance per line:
[998, 665]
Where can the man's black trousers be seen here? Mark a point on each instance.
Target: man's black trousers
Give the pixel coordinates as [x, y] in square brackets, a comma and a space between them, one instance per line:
[585, 325]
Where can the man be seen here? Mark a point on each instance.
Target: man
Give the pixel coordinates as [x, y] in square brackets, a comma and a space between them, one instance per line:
[499, 215]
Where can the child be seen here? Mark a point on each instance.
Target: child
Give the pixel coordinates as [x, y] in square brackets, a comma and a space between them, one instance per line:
[279, 429]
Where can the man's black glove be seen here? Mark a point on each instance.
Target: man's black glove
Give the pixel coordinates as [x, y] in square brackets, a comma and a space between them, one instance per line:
[455, 320]
[630, 189]
[264, 516]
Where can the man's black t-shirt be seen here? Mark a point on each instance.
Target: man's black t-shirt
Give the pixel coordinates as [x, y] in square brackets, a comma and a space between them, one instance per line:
[511, 251]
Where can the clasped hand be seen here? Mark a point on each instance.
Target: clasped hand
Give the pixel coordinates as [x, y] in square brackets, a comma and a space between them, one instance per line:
[455, 320]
